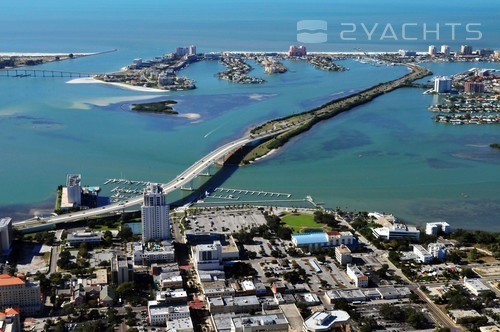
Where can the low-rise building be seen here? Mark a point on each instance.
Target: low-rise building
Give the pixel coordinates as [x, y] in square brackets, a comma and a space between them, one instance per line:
[233, 304]
[434, 228]
[180, 325]
[343, 254]
[319, 241]
[173, 296]
[423, 255]
[151, 252]
[308, 299]
[159, 314]
[91, 238]
[459, 315]
[350, 295]
[259, 323]
[437, 250]
[475, 286]
[390, 293]
[353, 272]
[327, 321]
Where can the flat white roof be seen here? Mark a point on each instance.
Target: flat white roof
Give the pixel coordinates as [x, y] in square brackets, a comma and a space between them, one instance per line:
[326, 319]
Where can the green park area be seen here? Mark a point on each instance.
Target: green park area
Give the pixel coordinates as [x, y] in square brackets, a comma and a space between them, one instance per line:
[301, 222]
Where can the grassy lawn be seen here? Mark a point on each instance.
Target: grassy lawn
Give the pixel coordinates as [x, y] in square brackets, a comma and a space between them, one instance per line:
[300, 222]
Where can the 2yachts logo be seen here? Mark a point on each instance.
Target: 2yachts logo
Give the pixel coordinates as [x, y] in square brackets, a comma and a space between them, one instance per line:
[312, 31]
[316, 31]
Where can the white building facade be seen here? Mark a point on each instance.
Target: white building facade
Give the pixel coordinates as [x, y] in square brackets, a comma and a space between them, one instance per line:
[154, 215]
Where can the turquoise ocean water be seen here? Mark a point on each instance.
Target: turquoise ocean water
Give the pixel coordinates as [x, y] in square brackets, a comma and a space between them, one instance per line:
[387, 155]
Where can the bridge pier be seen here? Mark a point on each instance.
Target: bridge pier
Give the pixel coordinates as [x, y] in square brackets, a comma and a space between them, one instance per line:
[188, 187]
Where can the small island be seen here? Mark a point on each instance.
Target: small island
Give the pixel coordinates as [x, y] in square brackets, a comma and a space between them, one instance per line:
[159, 107]
[495, 146]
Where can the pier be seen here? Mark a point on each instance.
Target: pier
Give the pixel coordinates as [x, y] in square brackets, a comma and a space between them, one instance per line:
[42, 73]
[250, 192]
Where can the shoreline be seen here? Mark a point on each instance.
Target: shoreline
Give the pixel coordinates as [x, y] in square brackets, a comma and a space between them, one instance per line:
[91, 80]
[50, 54]
[307, 119]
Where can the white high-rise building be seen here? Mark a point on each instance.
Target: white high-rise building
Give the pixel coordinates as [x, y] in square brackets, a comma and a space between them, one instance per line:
[445, 49]
[432, 50]
[6, 236]
[74, 189]
[154, 215]
[442, 84]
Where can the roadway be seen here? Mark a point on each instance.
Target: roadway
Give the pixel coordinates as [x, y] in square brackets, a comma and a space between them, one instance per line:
[180, 180]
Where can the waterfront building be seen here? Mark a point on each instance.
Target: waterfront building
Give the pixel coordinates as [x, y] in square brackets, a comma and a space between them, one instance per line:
[343, 254]
[185, 50]
[466, 50]
[434, 228]
[445, 49]
[6, 235]
[327, 321]
[76, 238]
[474, 87]
[319, 241]
[407, 53]
[259, 323]
[353, 272]
[423, 255]
[396, 231]
[154, 215]
[73, 190]
[497, 55]
[442, 84]
[475, 286]
[297, 50]
[432, 50]
[16, 292]
[485, 52]
[437, 250]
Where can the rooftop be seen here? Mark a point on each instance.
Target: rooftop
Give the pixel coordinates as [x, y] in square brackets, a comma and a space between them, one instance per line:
[8, 280]
[5, 221]
[324, 320]
[310, 238]
[260, 320]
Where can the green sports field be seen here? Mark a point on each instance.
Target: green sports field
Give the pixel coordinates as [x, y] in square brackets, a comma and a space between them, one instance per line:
[300, 222]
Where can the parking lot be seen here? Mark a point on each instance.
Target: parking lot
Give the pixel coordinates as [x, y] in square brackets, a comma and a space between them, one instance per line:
[224, 221]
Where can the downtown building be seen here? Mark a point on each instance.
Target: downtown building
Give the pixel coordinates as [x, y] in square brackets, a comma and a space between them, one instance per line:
[17, 293]
[155, 215]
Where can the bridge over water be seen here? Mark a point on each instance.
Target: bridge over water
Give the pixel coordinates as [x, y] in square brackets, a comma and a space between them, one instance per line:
[42, 73]
[196, 169]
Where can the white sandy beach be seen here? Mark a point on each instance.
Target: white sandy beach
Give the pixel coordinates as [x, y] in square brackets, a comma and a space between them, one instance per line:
[91, 80]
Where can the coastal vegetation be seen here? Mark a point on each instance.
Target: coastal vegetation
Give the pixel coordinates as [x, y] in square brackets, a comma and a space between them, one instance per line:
[162, 107]
[495, 146]
[296, 124]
